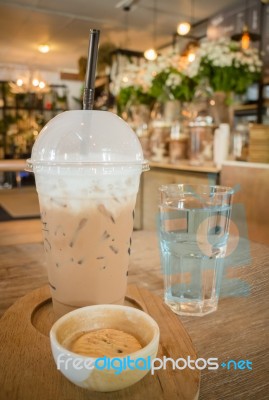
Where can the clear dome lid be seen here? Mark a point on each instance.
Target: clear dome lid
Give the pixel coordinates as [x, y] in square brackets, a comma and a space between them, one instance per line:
[87, 137]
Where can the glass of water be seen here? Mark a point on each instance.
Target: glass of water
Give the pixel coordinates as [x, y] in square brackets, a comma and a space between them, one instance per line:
[193, 233]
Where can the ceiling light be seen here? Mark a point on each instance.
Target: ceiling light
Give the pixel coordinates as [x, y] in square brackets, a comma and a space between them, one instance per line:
[246, 37]
[44, 48]
[191, 57]
[41, 85]
[189, 53]
[19, 82]
[35, 82]
[29, 82]
[150, 54]
[183, 28]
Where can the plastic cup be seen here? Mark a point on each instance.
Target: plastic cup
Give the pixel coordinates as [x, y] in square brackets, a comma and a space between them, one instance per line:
[87, 167]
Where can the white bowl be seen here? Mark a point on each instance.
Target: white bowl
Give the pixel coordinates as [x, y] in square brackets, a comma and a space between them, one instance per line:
[81, 370]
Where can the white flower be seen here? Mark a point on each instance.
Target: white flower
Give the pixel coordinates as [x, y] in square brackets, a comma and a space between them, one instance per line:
[226, 53]
[219, 53]
[173, 80]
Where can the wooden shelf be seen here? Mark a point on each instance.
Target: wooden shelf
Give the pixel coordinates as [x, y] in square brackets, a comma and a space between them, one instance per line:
[27, 114]
[249, 107]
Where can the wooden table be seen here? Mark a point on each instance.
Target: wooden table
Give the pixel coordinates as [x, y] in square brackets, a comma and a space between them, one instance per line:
[13, 166]
[238, 330]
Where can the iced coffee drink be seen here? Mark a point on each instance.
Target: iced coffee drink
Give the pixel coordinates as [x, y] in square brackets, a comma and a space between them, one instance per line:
[87, 242]
[87, 167]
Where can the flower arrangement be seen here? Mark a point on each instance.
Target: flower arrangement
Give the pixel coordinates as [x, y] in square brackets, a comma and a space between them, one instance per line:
[166, 79]
[227, 66]
[132, 84]
[133, 95]
[173, 84]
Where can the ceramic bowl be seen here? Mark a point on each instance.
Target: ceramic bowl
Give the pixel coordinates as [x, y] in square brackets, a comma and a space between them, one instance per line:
[106, 374]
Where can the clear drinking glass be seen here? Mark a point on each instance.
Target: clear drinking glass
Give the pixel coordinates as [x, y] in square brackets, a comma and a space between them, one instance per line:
[193, 233]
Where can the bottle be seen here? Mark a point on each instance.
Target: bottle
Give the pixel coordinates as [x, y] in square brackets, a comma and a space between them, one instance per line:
[221, 144]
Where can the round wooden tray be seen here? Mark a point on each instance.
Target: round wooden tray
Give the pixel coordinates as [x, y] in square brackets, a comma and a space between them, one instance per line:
[28, 371]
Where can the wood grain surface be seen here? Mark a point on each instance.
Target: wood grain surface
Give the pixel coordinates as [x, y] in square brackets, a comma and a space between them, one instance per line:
[27, 369]
[184, 165]
[20, 202]
[253, 195]
[239, 329]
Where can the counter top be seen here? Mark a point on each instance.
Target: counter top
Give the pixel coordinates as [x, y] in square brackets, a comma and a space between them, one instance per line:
[184, 165]
[13, 165]
[20, 165]
[245, 164]
[236, 331]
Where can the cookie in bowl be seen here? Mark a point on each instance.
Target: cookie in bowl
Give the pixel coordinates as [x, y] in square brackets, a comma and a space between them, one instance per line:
[104, 347]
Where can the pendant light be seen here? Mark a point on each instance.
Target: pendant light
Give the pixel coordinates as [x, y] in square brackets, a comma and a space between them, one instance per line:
[151, 54]
[184, 27]
[189, 53]
[29, 82]
[193, 46]
[44, 48]
[126, 22]
[246, 37]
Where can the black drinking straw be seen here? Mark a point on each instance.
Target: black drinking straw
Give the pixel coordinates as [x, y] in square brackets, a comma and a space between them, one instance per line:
[88, 94]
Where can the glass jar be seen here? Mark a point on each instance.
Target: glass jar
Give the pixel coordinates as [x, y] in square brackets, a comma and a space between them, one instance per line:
[201, 140]
[178, 143]
[201, 127]
[241, 142]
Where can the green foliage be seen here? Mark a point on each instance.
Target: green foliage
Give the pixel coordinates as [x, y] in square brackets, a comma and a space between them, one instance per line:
[228, 67]
[185, 91]
[133, 95]
[158, 88]
[228, 79]
[173, 85]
